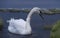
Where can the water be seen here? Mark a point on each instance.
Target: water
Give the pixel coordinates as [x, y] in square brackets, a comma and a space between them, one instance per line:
[36, 22]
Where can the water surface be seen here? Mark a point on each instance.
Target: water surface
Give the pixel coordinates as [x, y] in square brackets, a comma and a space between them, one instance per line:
[36, 23]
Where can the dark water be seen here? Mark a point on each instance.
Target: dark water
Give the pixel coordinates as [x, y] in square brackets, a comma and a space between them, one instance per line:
[36, 22]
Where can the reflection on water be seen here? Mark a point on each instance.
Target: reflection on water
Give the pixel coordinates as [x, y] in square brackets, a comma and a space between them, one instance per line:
[33, 35]
[22, 36]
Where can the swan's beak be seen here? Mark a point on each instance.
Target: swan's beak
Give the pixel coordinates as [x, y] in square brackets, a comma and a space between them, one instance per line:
[41, 16]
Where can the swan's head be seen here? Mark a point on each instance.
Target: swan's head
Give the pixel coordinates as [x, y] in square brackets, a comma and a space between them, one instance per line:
[38, 11]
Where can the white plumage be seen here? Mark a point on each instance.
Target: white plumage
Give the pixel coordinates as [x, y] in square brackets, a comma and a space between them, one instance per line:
[20, 26]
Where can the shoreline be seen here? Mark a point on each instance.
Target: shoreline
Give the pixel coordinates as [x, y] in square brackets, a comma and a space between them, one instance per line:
[26, 10]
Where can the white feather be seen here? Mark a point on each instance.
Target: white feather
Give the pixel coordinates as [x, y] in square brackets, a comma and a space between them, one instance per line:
[20, 26]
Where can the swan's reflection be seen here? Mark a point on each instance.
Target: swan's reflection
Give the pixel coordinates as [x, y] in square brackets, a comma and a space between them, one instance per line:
[11, 35]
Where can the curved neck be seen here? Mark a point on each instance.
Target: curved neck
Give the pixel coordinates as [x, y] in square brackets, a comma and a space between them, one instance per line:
[29, 16]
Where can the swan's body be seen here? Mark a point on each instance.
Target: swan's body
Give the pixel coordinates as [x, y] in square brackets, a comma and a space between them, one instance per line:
[20, 26]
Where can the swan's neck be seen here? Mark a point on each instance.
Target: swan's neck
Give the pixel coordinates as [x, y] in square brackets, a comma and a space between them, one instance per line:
[29, 17]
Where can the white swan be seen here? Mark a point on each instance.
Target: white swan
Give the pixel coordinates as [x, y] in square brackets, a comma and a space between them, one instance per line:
[20, 26]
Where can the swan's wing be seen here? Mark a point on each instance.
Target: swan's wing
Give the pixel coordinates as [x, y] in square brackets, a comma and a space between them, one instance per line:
[19, 25]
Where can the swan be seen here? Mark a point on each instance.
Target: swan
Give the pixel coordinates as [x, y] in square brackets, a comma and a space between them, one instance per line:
[20, 26]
